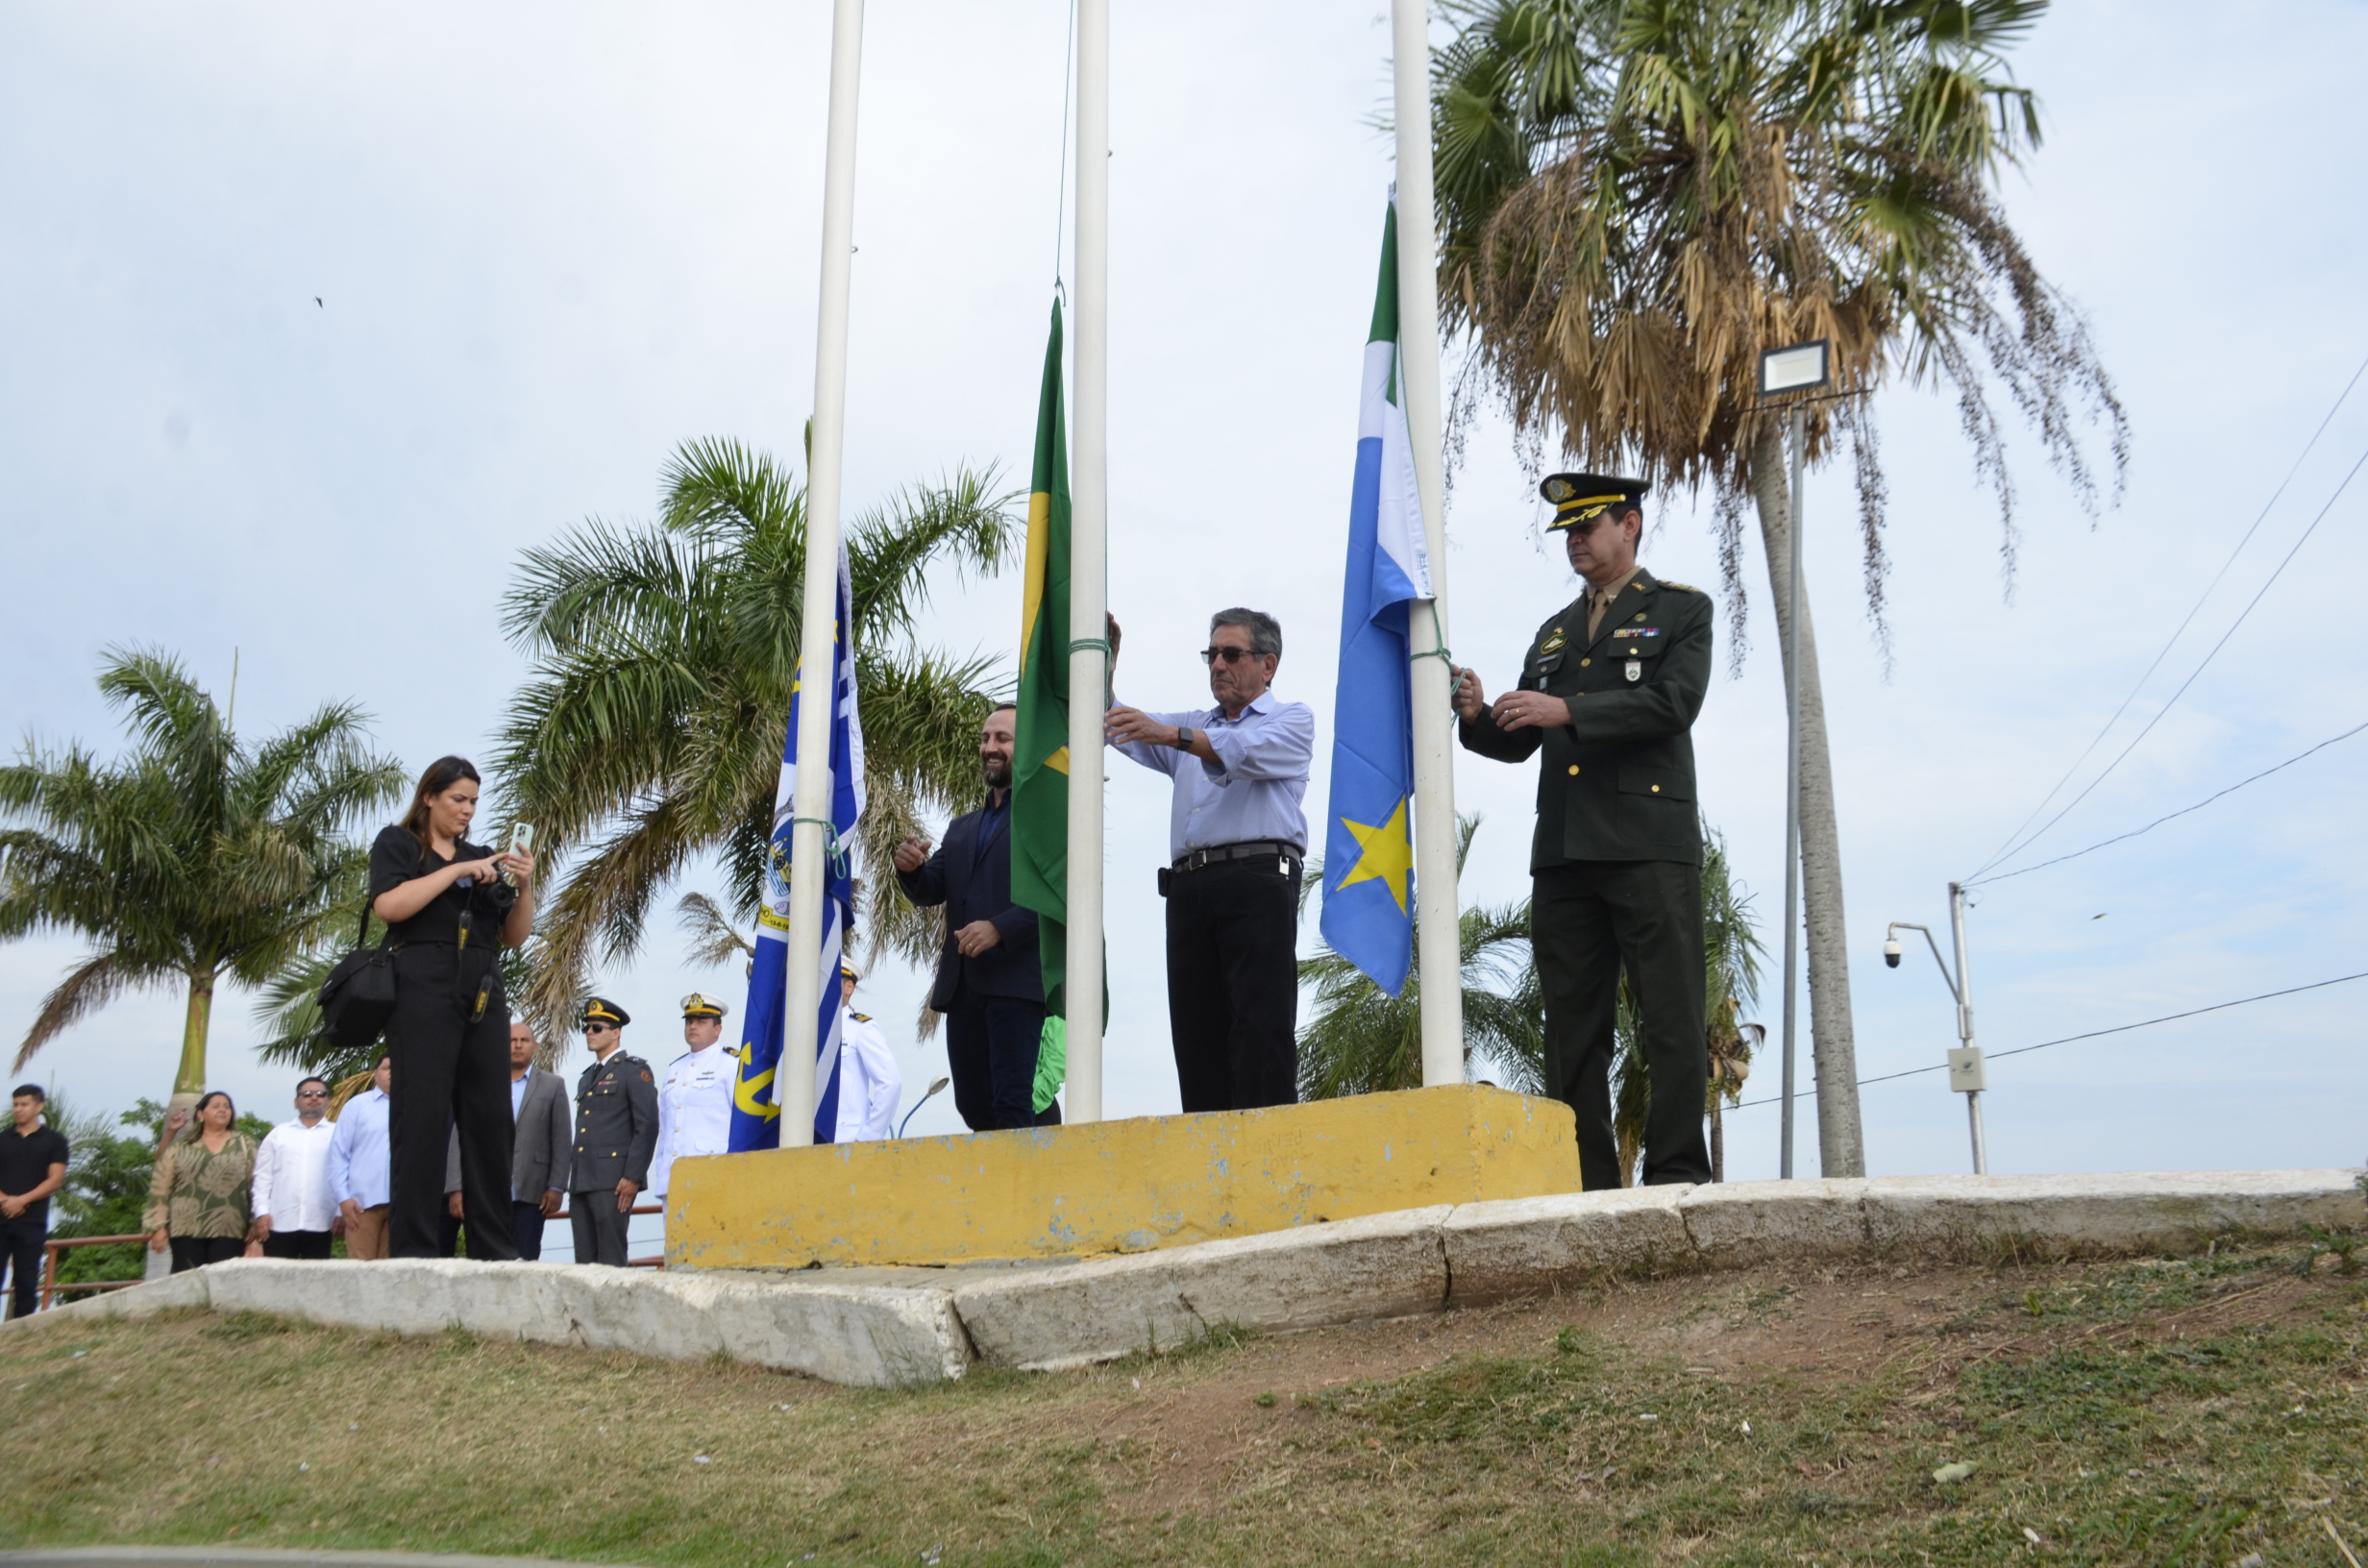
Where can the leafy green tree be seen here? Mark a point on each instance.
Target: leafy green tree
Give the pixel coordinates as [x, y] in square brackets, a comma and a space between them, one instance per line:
[649, 728]
[194, 858]
[1638, 196]
[1360, 1039]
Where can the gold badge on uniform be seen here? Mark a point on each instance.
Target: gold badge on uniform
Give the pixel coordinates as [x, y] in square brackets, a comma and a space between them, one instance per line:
[1553, 644]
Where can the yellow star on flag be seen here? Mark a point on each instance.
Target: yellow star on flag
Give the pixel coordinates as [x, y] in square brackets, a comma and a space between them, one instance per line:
[1388, 855]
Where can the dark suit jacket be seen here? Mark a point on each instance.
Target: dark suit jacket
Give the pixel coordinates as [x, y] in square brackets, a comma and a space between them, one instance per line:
[616, 1125]
[1012, 967]
[540, 1147]
[1616, 782]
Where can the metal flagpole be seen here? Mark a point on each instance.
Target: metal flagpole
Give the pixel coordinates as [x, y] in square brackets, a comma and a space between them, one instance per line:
[1089, 650]
[1792, 786]
[792, 1084]
[1438, 911]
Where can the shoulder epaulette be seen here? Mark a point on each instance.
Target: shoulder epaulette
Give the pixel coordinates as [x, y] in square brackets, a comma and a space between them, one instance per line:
[1681, 587]
[860, 1017]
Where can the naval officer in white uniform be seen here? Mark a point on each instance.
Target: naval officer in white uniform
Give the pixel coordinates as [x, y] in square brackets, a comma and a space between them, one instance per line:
[870, 1082]
[694, 1099]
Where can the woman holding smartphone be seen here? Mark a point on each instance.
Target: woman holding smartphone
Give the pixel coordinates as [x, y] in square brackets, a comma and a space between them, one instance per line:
[449, 910]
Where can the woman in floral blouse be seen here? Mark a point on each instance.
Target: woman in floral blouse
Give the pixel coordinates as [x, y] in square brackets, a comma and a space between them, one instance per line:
[197, 1203]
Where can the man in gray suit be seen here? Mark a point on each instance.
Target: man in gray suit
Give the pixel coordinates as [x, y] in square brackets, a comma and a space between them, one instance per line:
[539, 1149]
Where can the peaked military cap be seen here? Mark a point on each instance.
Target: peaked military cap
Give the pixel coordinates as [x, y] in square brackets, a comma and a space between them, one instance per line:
[696, 1006]
[1583, 497]
[601, 1010]
[846, 970]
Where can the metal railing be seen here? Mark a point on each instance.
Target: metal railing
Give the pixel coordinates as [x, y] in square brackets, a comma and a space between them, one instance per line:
[56, 1244]
[658, 1261]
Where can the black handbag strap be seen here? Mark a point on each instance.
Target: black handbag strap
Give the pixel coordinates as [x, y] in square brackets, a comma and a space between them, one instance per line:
[361, 933]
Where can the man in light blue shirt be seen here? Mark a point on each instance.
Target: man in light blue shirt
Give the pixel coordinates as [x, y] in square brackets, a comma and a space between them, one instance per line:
[1236, 840]
[360, 1170]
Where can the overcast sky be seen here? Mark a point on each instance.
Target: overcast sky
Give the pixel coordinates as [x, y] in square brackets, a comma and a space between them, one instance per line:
[314, 318]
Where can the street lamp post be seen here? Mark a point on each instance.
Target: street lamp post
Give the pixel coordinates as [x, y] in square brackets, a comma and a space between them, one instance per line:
[1966, 1074]
[1801, 367]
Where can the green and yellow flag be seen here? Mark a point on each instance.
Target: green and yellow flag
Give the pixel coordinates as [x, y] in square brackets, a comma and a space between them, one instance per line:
[1040, 763]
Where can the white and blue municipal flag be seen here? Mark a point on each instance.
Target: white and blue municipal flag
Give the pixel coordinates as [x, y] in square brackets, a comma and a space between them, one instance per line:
[1369, 839]
[756, 1117]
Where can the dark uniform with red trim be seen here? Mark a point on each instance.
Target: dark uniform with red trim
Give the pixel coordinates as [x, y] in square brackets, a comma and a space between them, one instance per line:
[1616, 861]
[616, 1133]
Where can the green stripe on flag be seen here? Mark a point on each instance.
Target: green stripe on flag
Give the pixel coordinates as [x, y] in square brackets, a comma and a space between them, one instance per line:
[1040, 760]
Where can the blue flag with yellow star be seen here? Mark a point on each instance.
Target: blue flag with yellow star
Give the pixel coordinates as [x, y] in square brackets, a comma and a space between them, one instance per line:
[1369, 838]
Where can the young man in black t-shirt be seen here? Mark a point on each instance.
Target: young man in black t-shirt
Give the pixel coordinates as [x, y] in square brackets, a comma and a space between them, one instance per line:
[31, 1166]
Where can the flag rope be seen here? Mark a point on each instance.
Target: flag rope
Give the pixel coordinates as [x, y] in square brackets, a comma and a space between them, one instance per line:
[833, 845]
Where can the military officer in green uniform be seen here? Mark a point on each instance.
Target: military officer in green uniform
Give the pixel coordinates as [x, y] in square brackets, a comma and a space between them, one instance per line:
[616, 1133]
[1607, 700]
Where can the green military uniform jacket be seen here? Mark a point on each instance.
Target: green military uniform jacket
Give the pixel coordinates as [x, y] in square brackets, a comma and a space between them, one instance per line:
[616, 1124]
[1616, 782]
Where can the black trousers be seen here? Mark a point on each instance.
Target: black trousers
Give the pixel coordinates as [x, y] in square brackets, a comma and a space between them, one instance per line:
[526, 1230]
[197, 1251]
[1588, 919]
[449, 1070]
[20, 1249]
[991, 1044]
[309, 1246]
[599, 1226]
[1233, 983]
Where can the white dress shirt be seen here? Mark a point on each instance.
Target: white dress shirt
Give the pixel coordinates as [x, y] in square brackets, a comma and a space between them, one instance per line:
[291, 1176]
[870, 1082]
[360, 1157]
[1251, 791]
[694, 1110]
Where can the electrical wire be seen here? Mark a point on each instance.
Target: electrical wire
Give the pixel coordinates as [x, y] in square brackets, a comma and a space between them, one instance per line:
[2117, 1029]
[2181, 812]
[2192, 675]
[2011, 846]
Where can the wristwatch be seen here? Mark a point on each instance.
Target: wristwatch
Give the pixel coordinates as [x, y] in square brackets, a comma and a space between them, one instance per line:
[1183, 738]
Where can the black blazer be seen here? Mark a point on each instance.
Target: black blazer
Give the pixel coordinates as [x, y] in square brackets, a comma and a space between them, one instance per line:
[983, 892]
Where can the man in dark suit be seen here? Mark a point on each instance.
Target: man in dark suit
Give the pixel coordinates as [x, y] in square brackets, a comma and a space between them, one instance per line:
[616, 1133]
[1607, 699]
[989, 978]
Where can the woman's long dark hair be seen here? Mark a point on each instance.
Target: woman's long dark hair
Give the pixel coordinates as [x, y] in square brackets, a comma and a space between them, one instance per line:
[442, 776]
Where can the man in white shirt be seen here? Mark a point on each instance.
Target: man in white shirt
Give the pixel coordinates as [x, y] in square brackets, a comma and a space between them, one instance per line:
[870, 1082]
[694, 1100]
[293, 1211]
[362, 1166]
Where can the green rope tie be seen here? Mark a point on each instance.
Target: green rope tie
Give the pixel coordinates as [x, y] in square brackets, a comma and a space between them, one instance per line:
[833, 847]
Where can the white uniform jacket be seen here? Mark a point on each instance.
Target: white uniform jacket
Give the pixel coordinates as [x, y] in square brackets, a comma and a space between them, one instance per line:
[694, 1108]
[869, 1083]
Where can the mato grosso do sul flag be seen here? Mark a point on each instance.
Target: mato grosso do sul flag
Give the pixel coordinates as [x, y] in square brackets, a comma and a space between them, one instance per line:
[1369, 838]
[755, 1116]
[1040, 755]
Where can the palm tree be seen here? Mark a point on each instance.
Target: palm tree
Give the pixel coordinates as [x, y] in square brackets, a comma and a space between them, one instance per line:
[1360, 1039]
[1638, 196]
[651, 726]
[193, 858]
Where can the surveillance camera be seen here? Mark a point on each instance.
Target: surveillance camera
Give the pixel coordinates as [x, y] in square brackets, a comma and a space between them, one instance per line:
[1891, 953]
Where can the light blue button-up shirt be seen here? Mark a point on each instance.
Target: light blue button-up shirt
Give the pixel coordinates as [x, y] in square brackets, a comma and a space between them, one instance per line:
[361, 1159]
[1253, 789]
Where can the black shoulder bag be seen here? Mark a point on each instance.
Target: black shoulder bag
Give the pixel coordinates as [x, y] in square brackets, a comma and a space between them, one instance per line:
[358, 997]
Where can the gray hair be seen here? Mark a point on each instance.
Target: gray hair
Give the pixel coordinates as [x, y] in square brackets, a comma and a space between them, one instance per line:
[1266, 633]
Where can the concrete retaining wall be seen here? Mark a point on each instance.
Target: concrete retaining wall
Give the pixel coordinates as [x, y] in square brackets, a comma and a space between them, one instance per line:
[882, 1327]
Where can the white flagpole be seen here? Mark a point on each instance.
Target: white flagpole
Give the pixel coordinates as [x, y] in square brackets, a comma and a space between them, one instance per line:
[793, 1081]
[1088, 594]
[1439, 911]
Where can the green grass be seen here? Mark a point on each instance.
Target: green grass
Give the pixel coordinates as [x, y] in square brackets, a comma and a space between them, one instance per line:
[2189, 1412]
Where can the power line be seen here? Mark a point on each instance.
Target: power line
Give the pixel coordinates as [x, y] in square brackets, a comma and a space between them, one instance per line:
[2173, 700]
[2117, 1029]
[2009, 847]
[2181, 812]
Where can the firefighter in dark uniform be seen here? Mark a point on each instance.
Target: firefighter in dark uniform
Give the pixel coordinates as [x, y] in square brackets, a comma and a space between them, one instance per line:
[1607, 699]
[616, 1132]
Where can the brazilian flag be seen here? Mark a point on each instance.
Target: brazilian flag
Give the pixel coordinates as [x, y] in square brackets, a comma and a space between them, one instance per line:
[1040, 762]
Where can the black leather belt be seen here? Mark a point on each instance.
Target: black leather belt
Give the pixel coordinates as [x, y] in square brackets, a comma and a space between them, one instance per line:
[1253, 849]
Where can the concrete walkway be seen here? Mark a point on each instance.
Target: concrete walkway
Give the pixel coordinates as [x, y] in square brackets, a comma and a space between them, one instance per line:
[886, 1325]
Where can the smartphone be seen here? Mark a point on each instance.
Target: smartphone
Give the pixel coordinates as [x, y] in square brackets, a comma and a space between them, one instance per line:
[522, 838]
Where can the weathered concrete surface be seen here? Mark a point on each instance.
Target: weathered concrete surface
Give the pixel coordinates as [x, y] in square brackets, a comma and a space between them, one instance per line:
[878, 1326]
[1381, 1266]
[1116, 1186]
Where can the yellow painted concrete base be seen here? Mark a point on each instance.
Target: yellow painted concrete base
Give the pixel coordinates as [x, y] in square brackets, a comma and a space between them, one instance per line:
[1116, 1186]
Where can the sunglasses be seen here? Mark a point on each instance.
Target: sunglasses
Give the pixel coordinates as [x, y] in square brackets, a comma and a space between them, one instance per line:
[598, 1028]
[1231, 655]
[313, 1093]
